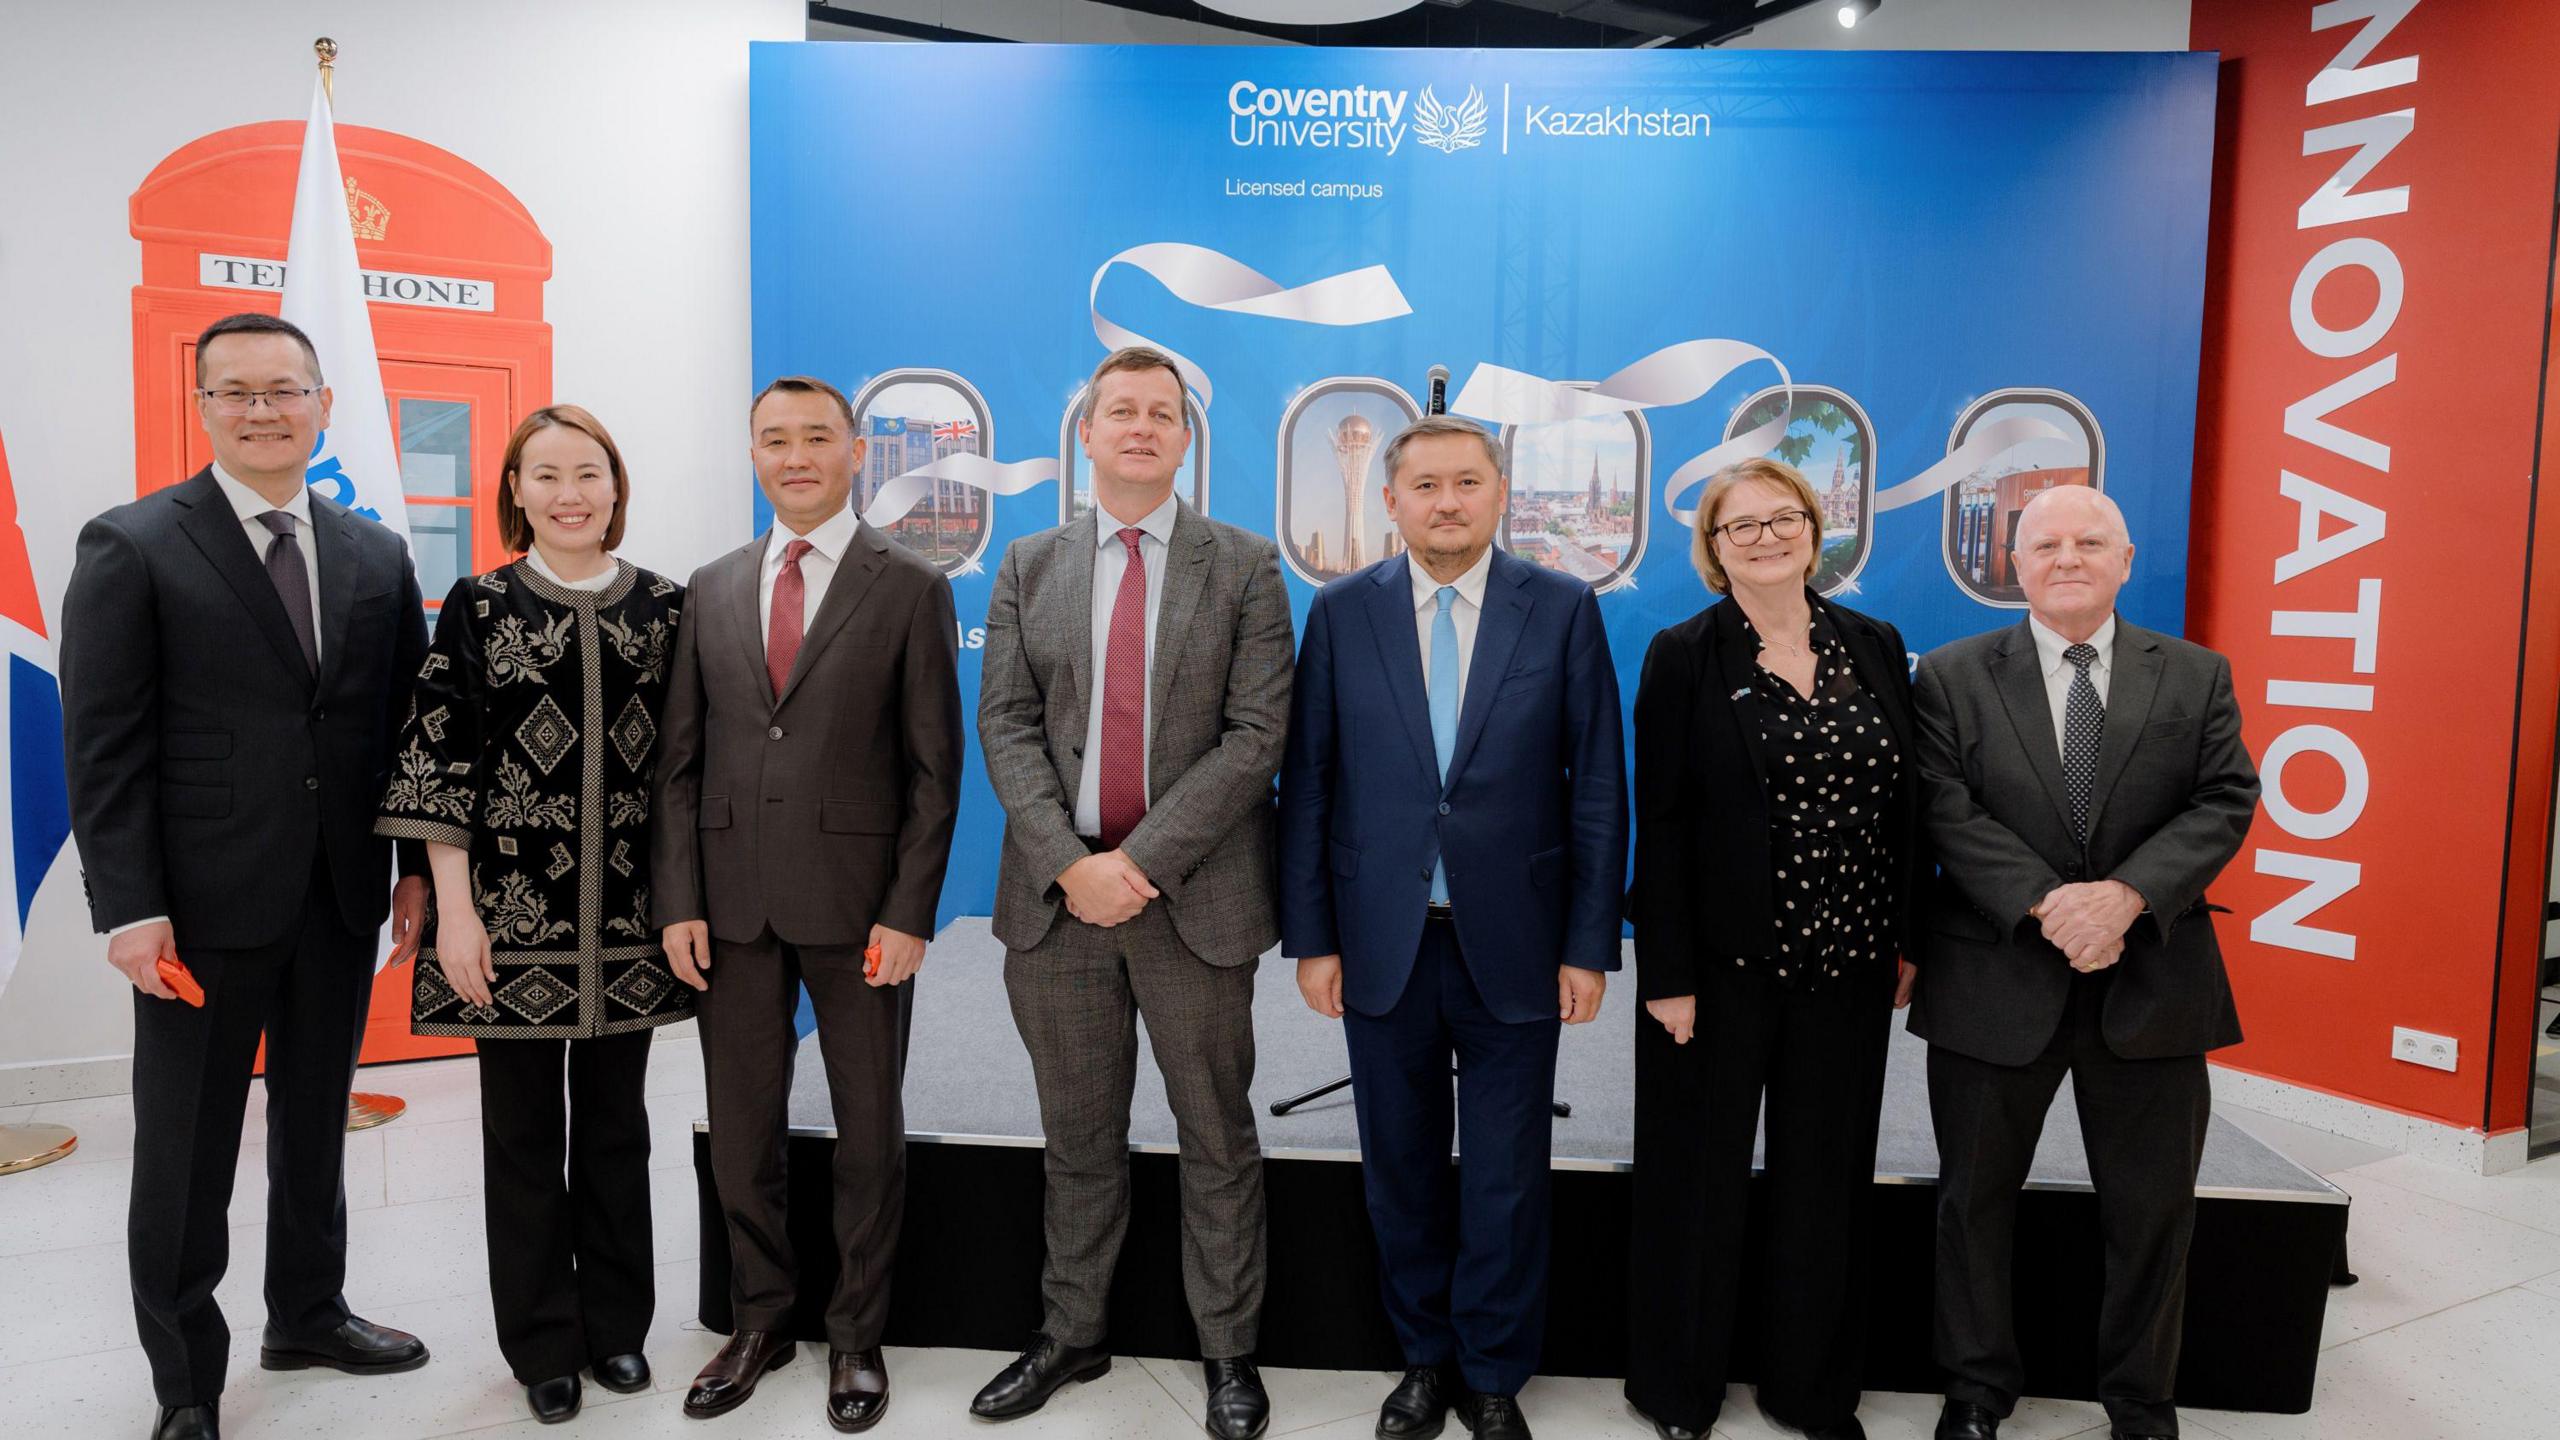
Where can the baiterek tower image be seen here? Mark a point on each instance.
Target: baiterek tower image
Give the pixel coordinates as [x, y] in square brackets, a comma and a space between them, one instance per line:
[1354, 441]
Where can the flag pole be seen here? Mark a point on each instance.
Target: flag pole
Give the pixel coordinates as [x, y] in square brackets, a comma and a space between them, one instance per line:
[365, 1109]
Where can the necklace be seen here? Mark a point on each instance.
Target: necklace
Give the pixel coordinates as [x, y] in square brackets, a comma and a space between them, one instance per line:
[1769, 642]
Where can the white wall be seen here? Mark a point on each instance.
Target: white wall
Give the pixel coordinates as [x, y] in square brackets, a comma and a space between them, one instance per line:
[621, 124]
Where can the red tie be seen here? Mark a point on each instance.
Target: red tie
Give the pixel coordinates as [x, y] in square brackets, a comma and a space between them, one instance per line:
[782, 630]
[1124, 702]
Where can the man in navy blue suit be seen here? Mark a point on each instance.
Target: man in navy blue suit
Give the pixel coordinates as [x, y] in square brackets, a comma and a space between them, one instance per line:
[1453, 833]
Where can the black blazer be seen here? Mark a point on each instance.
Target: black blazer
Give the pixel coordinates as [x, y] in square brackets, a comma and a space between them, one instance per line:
[207, 764]
[2174, 796]
[1702, 863]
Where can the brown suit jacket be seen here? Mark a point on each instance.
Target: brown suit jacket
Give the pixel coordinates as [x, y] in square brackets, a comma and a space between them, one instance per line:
[829, 808]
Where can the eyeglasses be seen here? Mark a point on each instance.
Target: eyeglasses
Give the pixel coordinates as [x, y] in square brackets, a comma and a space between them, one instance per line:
[241, 402]
[1786, 525]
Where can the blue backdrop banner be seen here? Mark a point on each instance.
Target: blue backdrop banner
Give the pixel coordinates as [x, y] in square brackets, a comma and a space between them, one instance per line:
[1935, 283]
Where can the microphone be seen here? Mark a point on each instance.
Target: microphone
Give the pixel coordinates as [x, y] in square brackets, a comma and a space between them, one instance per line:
[1438, 404]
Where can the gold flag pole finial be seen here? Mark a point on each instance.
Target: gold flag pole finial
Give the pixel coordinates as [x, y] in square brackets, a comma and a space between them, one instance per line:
[327, 50]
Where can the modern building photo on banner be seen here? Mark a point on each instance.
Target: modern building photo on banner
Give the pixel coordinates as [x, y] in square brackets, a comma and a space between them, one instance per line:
[1935, 283]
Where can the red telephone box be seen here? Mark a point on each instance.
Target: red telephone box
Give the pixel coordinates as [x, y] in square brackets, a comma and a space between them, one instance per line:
[455, 266]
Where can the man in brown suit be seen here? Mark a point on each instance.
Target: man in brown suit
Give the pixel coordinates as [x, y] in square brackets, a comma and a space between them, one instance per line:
[806, 789]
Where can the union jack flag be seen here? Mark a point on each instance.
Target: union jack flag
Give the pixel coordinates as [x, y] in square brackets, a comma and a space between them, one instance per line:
[34, 792]
[956, 430]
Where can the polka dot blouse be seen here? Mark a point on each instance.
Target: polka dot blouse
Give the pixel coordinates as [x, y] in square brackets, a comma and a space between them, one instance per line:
[1830, 765]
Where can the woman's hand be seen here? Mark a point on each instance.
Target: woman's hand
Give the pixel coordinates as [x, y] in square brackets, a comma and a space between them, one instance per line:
[1905, 975]
[1678, 1014]
[462, 948]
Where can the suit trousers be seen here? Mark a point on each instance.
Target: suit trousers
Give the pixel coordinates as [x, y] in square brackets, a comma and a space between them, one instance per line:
[1076, 998]
[1462, 1251]
[307, 993]
[2144, 1125]
[749, 1043]
[571, 1268]
[1818, 1056]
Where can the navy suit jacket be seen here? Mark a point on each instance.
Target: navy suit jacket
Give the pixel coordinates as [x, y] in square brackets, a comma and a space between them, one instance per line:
[1532, 820]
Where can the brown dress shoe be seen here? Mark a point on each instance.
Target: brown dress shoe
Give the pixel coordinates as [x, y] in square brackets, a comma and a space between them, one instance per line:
[857, 1389]
[731, 1377]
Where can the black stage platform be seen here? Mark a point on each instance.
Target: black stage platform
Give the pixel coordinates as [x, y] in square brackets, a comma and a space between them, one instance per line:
[2268, 1232]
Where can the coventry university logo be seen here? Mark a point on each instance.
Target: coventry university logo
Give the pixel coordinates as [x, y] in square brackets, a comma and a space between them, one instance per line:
[1449, 128]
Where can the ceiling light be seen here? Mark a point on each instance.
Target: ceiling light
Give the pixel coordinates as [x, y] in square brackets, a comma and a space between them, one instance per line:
[1854, 11]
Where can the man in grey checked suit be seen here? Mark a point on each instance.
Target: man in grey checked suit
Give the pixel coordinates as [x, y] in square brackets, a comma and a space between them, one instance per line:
[2082, 780]
[1132, 708]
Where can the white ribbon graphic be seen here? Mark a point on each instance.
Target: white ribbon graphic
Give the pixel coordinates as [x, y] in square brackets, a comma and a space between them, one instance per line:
[1672, 375]
[1977, 450]
[1196, 275]
[1200, 276]
[901, 493]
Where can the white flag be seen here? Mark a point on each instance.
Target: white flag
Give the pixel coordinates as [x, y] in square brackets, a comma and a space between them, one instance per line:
[355, 462]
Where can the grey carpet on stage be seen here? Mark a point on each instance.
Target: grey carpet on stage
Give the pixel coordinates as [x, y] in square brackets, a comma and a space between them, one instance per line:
[968, 1075]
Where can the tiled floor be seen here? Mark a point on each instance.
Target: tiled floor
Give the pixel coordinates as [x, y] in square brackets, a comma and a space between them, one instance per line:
[2451, 1334]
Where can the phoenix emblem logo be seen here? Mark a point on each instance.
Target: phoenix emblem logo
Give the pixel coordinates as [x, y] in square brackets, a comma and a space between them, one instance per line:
[1449, 128]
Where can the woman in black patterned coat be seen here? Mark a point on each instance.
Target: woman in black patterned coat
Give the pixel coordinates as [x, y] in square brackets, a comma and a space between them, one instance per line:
[525, 767]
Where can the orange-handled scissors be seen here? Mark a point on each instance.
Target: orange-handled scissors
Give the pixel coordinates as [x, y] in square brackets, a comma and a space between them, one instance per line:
[176, 975]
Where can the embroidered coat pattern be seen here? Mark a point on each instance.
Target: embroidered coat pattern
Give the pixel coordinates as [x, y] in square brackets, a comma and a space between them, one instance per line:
[529, 745]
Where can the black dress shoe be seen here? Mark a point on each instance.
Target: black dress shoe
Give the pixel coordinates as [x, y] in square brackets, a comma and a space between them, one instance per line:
[189, 1422]
[725, 1383]
[1038, 1373]
[1417, 1407]
[1964, 1421]
[857, 1389]
[1239, 1408]
[553, 1401]
[1493, 1417]
[1664, 1428]
[357, 1346]
[623, 1374]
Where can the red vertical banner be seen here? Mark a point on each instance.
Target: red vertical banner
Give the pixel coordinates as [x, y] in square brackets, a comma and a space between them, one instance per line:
[2366, 535]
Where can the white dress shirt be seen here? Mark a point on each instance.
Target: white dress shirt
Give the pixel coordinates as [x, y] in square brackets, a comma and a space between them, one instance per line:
[1463, 613]
[817, 567]
[2058, 671]
[597, 581]
[249, 504]
[1110, 564]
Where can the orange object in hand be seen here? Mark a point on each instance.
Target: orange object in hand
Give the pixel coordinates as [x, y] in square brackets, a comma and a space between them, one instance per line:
[870, 960]
[176, 975]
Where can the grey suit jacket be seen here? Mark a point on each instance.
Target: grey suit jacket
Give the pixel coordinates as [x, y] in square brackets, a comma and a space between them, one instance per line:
[829, 808]
[2175, 793]
[207, 763]
[1218, 710]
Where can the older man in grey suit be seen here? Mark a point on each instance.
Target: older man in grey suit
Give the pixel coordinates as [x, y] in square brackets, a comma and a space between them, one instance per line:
[808, 780]
[1132, 707]
[2082, 780]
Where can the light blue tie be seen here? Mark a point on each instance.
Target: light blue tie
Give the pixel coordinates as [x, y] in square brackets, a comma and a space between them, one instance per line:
[1444, 710]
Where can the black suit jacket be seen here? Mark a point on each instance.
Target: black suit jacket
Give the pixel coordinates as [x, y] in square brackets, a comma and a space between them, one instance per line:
[1702, 867]
[206, 762]
[2174, 796]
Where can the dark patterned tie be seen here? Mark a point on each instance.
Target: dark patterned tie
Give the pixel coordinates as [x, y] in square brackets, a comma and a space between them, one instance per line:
[292, 582]
[2083, 717]
[1124, 701]
[782, 629]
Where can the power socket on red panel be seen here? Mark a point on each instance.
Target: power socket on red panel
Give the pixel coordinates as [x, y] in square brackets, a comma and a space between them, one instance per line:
[2419, 1047]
